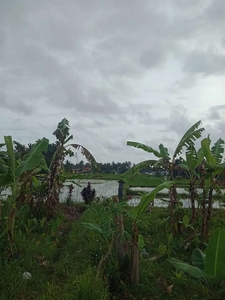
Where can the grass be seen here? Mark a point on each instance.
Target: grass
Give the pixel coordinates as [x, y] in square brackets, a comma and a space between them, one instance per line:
[63, 258]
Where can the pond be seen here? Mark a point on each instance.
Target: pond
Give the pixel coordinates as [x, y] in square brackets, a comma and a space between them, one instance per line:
[109, 188]
[104, 188]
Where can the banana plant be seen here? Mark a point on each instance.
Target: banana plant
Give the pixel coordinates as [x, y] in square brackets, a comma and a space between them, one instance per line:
[164, 159]
[208, 267]
[54, 183]
[12, 171]
[135, 214]
[134, 171]
[213, 168]
[190, 165]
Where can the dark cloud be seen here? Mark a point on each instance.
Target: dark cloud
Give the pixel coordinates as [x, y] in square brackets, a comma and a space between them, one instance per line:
[107, 66]
[215, 112]
[113, 145]
[15, 106]
[215, 13]
[205, 62]
[153, 57]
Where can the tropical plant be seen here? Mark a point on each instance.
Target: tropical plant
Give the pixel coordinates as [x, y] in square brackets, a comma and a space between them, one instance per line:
[12, 171]
[212, 168]
[164, 160]
[208, 267]
[54, 182]
[191, 165]
[135, 213]
[88, 194]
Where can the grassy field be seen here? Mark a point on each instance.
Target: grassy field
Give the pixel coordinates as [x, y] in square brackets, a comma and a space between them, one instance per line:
[63, 261]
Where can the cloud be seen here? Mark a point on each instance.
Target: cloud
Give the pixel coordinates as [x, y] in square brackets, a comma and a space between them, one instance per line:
[153, 57]
[15, 106]
[205, 62]
[107, 66]
[216, 111]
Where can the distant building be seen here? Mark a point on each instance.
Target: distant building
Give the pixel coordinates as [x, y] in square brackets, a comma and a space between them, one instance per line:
[82, 170]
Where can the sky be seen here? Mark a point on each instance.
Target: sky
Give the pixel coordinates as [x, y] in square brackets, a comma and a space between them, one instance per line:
[140, 70]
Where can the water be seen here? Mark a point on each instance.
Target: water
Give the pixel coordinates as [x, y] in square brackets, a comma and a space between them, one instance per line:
[103, 188]
[164, 203]
[179, 190]
[109, 188]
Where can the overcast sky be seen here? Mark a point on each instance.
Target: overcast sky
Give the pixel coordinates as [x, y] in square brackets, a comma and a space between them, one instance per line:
[142, 70]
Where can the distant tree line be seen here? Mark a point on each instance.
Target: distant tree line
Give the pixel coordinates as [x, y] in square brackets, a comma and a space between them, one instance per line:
[104, 168]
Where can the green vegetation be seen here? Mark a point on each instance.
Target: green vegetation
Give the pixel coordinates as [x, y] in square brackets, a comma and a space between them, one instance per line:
[109, 250]
[63, 258]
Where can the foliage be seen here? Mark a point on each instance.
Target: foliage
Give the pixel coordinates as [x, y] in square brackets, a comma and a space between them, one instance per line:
[88, 194]
[113, 244]
[13, 172]
[54, 182]
[209, 267]
[164, 160]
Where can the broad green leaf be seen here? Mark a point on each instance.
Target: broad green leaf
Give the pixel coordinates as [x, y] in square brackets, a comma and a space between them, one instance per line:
[189, 137]
[145, 148]
[185, 220]
[164, 151]
[186, 268]
[147, 199]
[68, 139]
[93, 226]
[35, 182]
[10, 152]
[192, 162]
[138, 167]
[33, 158]
[5, 179]
[207, 153]
[198, 258]
[215, 255]
[218, 150]
[62, 130]
[192, 159]
[200, 156]
[219, 169]
[3, 168]
[141, 242]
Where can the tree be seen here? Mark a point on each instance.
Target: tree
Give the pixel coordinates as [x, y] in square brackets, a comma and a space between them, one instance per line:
[20, 150]
[54, 183]
[211, 170]
[13, 170]
[50, 152]
[193, 161]
[191, 135]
